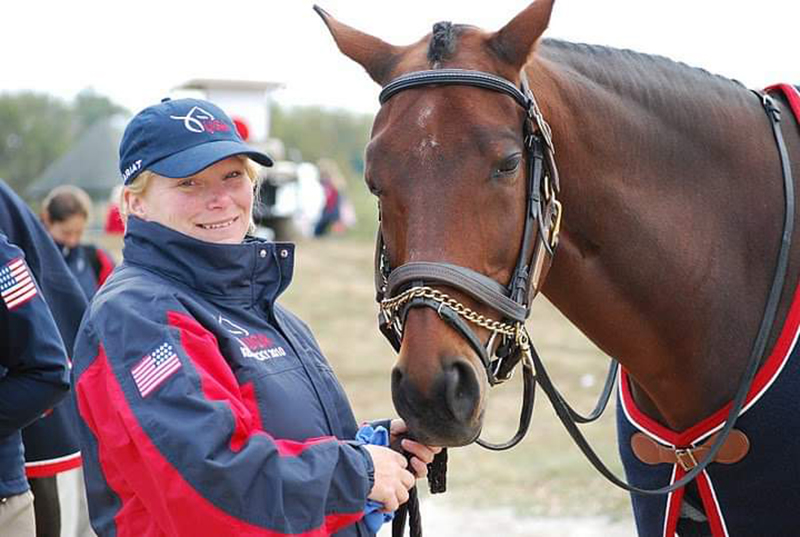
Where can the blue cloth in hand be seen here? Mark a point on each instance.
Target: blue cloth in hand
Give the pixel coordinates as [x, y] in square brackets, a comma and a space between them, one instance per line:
[374, 518]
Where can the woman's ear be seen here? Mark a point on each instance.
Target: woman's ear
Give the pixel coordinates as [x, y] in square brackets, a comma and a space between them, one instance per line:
[135, 204]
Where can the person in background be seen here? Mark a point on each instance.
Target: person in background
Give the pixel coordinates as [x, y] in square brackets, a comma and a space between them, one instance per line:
[34, 374]
[65, 212]
[52, 455]
[114, 224]
[207, 408]
[338, 213]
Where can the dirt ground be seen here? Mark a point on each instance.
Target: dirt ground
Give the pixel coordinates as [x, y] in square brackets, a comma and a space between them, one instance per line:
[439, 519]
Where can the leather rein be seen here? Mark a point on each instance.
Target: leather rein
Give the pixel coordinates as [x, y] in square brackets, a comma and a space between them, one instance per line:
[411, 285]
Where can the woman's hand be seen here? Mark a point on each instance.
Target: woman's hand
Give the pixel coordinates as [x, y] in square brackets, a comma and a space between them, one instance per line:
[392, 480]
[422, 455]
[392, 476]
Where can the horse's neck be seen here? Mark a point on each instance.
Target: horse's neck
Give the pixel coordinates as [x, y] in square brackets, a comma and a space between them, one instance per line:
[656, 257]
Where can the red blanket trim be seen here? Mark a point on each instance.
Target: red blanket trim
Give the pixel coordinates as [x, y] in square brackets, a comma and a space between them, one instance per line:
[791, 94]
[764, 378]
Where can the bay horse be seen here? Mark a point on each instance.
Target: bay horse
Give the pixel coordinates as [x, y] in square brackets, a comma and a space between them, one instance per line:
[664, 189]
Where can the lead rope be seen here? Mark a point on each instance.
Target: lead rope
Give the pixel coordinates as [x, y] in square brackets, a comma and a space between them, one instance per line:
[437, 483]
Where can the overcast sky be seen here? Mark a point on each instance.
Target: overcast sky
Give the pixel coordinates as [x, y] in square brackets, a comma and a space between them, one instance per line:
[135, 52]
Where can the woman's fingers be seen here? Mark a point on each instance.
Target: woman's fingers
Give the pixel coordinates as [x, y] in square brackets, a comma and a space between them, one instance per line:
[420, 468]
[422, 456]
[398, 426]
[392, 479]
[421, 451]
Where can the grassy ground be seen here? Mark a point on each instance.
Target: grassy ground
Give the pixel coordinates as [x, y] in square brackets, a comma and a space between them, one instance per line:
[545, 475]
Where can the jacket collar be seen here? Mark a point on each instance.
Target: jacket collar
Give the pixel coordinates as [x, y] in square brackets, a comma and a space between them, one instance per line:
[254, 270]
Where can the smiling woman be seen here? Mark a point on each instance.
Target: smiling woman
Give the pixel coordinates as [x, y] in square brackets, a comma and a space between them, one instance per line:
[209, 409]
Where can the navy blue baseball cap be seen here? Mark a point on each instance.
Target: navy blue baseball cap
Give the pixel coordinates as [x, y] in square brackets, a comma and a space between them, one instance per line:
[181, 137]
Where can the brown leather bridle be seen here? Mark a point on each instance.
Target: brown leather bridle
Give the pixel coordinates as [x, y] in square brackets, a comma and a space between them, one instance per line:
[413, 284]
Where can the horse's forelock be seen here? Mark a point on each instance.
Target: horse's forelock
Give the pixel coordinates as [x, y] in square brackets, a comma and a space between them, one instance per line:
[443, 41]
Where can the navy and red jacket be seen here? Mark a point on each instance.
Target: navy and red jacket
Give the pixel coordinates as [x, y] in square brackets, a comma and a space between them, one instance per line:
[207, 408]
[33, 362]
[51, 442]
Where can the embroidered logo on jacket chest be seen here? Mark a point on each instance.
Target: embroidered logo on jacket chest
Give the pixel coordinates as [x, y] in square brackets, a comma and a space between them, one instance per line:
[253, 345]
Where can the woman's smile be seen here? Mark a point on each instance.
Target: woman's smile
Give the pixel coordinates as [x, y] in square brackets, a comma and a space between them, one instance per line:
[219, 225]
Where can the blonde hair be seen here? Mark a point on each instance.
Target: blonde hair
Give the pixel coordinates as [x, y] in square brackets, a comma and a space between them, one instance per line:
[139, 185]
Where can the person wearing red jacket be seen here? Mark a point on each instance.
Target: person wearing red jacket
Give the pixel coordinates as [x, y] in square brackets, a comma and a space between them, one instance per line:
[114, 224]
[207, 408]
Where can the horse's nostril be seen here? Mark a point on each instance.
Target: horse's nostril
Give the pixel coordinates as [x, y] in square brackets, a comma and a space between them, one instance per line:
[397, 378]
[462, 391]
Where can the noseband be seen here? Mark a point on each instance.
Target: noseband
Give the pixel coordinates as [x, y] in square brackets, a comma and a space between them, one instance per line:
[412, 285]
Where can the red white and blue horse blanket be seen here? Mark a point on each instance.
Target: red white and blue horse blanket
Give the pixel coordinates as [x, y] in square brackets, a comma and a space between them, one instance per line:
[757, 496]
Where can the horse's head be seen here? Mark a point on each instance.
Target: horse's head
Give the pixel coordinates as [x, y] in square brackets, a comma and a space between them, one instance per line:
[449, 166]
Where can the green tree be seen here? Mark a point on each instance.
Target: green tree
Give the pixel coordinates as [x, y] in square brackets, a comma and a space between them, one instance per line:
[318, 132]
[90, 107]
[36, 129]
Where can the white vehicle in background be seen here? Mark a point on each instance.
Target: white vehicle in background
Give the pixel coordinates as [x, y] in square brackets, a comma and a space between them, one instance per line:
[289, 201]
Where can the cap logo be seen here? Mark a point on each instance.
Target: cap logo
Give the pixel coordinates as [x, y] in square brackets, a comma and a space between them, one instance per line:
[199, 120]
[130, 170]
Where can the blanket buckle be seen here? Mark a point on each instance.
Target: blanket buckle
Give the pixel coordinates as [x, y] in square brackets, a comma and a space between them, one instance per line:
[686, 458]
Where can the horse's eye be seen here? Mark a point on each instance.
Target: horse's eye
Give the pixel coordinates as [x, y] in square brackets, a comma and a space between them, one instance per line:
[508, 167]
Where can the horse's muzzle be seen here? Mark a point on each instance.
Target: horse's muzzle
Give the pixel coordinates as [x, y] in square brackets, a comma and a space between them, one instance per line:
[449, 412]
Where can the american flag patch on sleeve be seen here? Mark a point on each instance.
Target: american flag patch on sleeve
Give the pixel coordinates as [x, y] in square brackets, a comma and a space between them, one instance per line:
[155, 368]
[16, 284]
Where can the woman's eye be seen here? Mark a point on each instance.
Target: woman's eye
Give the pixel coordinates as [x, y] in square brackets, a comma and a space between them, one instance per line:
[186, 182]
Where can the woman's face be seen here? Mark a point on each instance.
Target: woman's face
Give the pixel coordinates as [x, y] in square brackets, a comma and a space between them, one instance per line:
[214, 205]
[67, 232]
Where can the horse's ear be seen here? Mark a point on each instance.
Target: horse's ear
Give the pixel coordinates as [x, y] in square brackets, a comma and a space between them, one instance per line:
[375, 56]
[515, 41]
